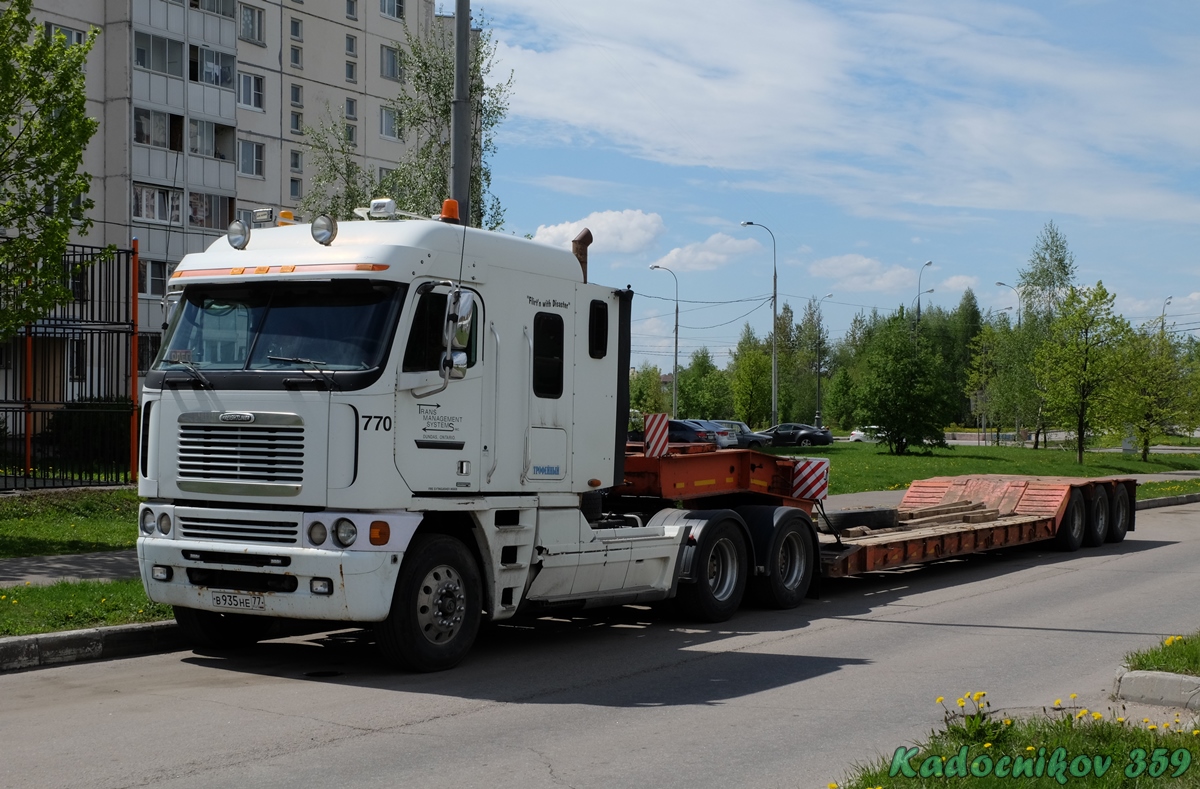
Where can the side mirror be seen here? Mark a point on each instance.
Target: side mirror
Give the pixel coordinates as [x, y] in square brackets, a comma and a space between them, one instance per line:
[463, 305]
[457, 366]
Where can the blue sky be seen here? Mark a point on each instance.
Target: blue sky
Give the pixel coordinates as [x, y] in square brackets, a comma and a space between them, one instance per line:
[869, 136]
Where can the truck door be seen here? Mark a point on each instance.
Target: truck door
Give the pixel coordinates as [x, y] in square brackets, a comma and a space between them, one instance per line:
[548, 339]
[437, 429]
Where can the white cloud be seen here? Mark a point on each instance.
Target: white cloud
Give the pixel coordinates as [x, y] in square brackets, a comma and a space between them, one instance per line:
[958, 283]
[628, 232]
[854, 273]
[712, 253]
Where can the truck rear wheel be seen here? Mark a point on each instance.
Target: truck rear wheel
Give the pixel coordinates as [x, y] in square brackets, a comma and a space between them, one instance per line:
[1120, 514]
[1070, 530]
[719, 569]
[223, 631]
[790, 565]
[1096, 530]
[436, 608]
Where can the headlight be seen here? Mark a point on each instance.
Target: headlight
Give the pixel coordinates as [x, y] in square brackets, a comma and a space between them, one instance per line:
[345, 532]
[317, 533]
[147, 521]
[164, 523]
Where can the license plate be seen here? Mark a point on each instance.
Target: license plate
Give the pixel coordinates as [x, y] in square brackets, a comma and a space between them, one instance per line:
[246, 602]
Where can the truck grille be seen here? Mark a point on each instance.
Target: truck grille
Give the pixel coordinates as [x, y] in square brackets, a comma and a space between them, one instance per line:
[241, 453]
[239, 530]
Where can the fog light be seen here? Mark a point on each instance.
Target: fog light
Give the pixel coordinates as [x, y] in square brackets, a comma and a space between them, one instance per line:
[317, 533]
[147, 521]
[345, 532]
[160, 573]
[164, 523]
[381, 532]
[322, 586]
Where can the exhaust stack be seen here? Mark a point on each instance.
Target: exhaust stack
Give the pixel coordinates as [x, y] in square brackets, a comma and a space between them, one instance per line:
[579, 247]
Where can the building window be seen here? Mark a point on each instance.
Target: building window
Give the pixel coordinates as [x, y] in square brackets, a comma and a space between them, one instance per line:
[156, 204]
[297, 57]
[297, 29]
[297, 95]
[79, 284]
[206, 138]
[250, 91]
[385, 173]
[211, 67]
[252, 24]
[389, 65]
[156, 53]
[78, 360]
[351, 109]
[210, 211]
[74, 37]
[351, 71]
[387, 123]
[222, 7]
[352, 9]
[160, 129]
[352, 46]
[148, 345]
[351, 134]
[297, 188]
[152, 277]
[296, 161]
[297, 124]
[392, 8]
[250, 158]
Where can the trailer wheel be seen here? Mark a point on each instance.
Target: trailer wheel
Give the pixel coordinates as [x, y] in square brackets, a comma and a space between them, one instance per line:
[1096, 531]
[1120, 514]
[790, 566]
[719, 567]
[1070, 531]
[223, 631]
[436, 608]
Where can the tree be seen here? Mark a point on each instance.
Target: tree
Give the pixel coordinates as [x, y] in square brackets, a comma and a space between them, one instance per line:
[704, 391]
[646, 392]
[903, 388]
[1157, 385]
[1079, 364]
[420, 180]
[44, 129]
[750, 379]
[1050, 274]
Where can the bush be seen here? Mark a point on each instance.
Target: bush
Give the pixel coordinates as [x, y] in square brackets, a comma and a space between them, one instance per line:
[91, 430]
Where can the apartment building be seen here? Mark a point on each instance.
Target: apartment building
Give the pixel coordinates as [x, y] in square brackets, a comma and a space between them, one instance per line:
[202, 104]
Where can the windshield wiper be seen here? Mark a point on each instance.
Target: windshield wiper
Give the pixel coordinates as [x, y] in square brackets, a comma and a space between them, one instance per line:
[191, 368]
[325, 375]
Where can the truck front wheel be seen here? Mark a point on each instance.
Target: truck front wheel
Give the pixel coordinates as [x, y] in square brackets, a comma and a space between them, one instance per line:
[436, 608]
[223, 631]
[719, 569]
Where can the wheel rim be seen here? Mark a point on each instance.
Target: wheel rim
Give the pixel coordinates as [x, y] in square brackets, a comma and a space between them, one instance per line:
[1101, 518]
[791, 561]
[805, 442]
[441, 604]
[722, 569]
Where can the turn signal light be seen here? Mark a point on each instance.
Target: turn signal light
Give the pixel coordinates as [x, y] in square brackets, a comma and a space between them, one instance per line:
[381, 532]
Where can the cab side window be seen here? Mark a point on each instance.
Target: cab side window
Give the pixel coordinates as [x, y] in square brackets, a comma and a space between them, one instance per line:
[548, 355]
[426, 342]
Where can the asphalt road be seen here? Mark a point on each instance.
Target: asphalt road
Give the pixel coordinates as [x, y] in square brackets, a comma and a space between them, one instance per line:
[626, 698]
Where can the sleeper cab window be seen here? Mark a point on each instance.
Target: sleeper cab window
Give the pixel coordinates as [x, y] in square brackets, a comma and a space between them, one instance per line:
[547, 355]
[598, 330]
[426, 341]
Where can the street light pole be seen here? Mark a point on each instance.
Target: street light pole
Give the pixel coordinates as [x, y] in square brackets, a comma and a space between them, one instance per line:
[917, 301]
[675, 365]
[1014, 290]
[774, 321]
[920, 273]
[1163, 318]
[817, 420]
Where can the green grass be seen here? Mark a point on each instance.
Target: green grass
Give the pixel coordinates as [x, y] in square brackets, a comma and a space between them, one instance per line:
[1158, 490]
[1175, 654]
[73, 605]
[53, 522]
[1163, 749]
[862, 467]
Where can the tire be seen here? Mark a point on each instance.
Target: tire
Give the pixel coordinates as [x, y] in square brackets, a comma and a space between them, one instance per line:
[1071, 529]
[719, 568]
[436, 607]
[213, 630]
[804, 442]
[1120, 514]
[1096, 526]
[790, 563]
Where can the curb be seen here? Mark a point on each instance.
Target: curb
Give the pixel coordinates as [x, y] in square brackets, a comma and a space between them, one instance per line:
[1167, 501]
[1158, 687]
[97, 643]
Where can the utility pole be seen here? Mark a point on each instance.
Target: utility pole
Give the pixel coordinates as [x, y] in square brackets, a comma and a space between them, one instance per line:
[461, 159]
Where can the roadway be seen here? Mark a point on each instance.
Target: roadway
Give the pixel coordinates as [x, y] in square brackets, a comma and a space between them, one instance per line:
[630, 697]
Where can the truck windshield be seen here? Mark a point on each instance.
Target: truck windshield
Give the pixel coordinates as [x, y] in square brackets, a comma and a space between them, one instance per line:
[327, 325]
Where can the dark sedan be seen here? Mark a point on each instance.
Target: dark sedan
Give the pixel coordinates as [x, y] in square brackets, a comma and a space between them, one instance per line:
[682, 431]
[794, 434]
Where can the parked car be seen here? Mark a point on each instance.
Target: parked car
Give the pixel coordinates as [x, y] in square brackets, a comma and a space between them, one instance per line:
[869, 434]
[724, 437]
[681, 431]
[746, 438]
[794, 434]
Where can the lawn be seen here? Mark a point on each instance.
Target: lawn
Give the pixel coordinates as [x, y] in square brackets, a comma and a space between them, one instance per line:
[1176, 654]
[53, 522]
[74, 605]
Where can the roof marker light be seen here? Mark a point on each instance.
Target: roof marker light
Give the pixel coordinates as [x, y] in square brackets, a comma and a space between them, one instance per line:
[239, 234]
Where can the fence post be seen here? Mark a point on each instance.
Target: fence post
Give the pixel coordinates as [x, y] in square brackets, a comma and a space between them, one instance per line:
[133, 362]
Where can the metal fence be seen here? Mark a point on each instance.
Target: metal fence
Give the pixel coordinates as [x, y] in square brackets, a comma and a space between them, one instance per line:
[68, 383]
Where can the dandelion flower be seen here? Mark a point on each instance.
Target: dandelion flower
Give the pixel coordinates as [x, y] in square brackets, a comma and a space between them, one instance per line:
[1196, 732]
[1096, 716]
[962, 703]
[1029, 747]
[1151, 727]
[1074, 695]
[1080, 714]
[1120, 720]
[940, 699]
[987, 745]
[977, 696]
[1058, 702]
[833, 786]
[27, 583]
[1145, 720]
[1008, 722]
[3, 597]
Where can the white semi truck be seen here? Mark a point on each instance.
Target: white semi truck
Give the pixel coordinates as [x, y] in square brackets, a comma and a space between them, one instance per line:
[418, 426]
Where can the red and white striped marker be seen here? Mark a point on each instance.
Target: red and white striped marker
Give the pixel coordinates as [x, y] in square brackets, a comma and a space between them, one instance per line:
[810, 479]
[655, 435]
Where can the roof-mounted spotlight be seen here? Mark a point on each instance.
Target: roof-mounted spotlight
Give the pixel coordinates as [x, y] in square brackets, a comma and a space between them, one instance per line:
[239, 234]
[383, 208]
[262, 216]
[324, 229]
